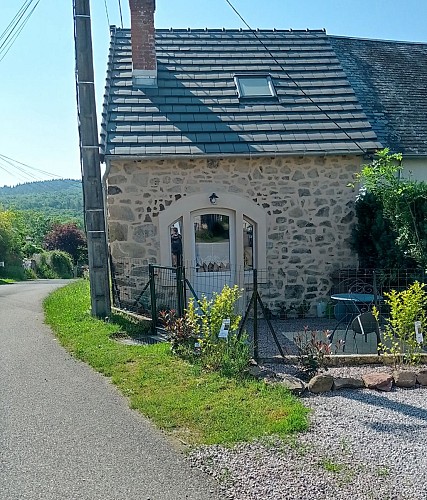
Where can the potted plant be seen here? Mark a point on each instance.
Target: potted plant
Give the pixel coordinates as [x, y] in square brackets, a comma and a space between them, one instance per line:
[285, 311]
[302, 309]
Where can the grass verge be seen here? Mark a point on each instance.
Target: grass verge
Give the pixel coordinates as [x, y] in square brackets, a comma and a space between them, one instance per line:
[6, 281]
[195, 406]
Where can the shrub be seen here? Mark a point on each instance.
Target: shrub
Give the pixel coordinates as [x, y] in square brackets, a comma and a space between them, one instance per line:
[403, 205]
[181, 333]
[195, 336]
[43, 267]
[374, 239]
[406, 307]
[30, 274]
[68, 238]
[312, 347]
[13, 271]
[61, 263]
[55, 264]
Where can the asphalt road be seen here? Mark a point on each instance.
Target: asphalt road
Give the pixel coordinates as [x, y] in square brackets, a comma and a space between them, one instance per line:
[65, 431]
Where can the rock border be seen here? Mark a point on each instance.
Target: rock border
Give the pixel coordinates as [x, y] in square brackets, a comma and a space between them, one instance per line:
[378, 380]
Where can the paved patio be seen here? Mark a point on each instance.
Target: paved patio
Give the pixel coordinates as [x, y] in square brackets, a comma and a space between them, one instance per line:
[287, 330]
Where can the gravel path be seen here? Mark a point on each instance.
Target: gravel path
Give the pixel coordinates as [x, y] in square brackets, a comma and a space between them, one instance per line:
[360, 445]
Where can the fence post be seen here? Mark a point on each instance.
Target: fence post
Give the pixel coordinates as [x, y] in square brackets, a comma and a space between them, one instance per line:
[184, 287]
[255, 280]
[374, 285]
[153, 300]
[179, 291]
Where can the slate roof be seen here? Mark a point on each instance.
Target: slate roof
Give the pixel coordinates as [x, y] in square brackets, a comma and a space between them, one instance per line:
[196, 110]
[390, 81]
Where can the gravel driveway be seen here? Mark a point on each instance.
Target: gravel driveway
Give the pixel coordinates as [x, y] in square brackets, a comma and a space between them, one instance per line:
[361, 445]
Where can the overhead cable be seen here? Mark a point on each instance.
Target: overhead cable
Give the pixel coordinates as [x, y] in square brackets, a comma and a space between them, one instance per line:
[28, 168]
[15, 27]
[18, 15]
[106, 12]
[292, 79]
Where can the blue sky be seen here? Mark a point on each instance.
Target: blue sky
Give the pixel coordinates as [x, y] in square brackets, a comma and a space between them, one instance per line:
[37, 89]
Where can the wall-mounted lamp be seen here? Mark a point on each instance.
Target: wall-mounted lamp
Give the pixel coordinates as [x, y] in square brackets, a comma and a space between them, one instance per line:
[212, 198]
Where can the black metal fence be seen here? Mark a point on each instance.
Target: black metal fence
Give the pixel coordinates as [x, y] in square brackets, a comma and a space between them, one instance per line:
[274, 301]
[286, 293]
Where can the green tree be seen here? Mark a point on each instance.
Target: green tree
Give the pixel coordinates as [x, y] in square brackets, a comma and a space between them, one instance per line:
[403, 202]
[374, 239]
[10, 243]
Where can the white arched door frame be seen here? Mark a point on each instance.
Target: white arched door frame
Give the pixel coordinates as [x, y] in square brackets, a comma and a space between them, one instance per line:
[239, 207]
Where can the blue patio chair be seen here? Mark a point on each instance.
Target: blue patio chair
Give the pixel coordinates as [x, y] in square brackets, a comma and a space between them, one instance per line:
[366, 323]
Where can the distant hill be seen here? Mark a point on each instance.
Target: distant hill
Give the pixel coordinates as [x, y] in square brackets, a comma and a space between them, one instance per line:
[59, 197]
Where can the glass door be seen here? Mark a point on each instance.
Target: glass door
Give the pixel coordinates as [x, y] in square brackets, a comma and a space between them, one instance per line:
[214, 251]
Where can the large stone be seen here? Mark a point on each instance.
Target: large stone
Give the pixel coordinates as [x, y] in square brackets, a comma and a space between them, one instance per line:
[295, 212]
[112, 190]
[141, 179]
[121, 213]
[378, 380]
[294, 384]
[348, 383]
[143, 232]
[422, 377]
[118, 232]
[321, 383]
[261, 373]
[404, 378]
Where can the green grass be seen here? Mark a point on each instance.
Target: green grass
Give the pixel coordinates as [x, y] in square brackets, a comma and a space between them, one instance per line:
[331, 466]
[6, 281]
[193, 405]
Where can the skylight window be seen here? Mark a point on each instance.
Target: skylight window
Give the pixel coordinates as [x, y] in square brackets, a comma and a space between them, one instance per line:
[255, 86]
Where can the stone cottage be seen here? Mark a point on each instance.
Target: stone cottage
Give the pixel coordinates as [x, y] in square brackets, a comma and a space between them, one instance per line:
[243, 141]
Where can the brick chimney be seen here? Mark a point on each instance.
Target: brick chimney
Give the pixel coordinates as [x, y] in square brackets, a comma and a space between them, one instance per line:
[144, 63]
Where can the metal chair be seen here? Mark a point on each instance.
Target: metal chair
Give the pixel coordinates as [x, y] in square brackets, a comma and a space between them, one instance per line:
[364, 324]
[355, 299]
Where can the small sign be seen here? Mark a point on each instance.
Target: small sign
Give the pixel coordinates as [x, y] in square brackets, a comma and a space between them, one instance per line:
[225, 327]
[418, 332]
[1, 264]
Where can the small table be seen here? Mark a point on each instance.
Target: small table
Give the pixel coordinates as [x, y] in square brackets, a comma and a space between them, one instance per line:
[353, 303]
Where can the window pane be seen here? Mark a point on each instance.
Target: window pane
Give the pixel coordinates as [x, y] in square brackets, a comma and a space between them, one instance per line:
[175, 231]
[248, 244]
[254, 87]
[212, 237]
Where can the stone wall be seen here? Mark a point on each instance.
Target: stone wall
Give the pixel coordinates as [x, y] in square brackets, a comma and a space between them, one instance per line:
[310, 211]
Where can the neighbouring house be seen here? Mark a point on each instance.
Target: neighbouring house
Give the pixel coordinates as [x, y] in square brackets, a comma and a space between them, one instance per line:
[390, 82]
[245, 142]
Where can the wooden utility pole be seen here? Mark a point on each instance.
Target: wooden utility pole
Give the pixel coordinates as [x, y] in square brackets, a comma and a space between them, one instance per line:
[90, 162]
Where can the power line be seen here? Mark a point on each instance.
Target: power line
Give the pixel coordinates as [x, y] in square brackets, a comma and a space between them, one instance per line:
[14, 163]
[18, 15]
[10, 173]
[15, 27]
[291, 79]
[106, 11]
[27, 175]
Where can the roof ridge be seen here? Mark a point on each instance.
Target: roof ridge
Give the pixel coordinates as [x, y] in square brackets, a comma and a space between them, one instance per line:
[114, 29]
[365, 39]
[228, 30]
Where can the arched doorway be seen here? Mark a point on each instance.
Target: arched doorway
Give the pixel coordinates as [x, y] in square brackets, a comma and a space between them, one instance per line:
[221, 242]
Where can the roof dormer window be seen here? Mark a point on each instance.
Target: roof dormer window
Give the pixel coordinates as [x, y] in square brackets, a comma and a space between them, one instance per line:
[254, 86]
